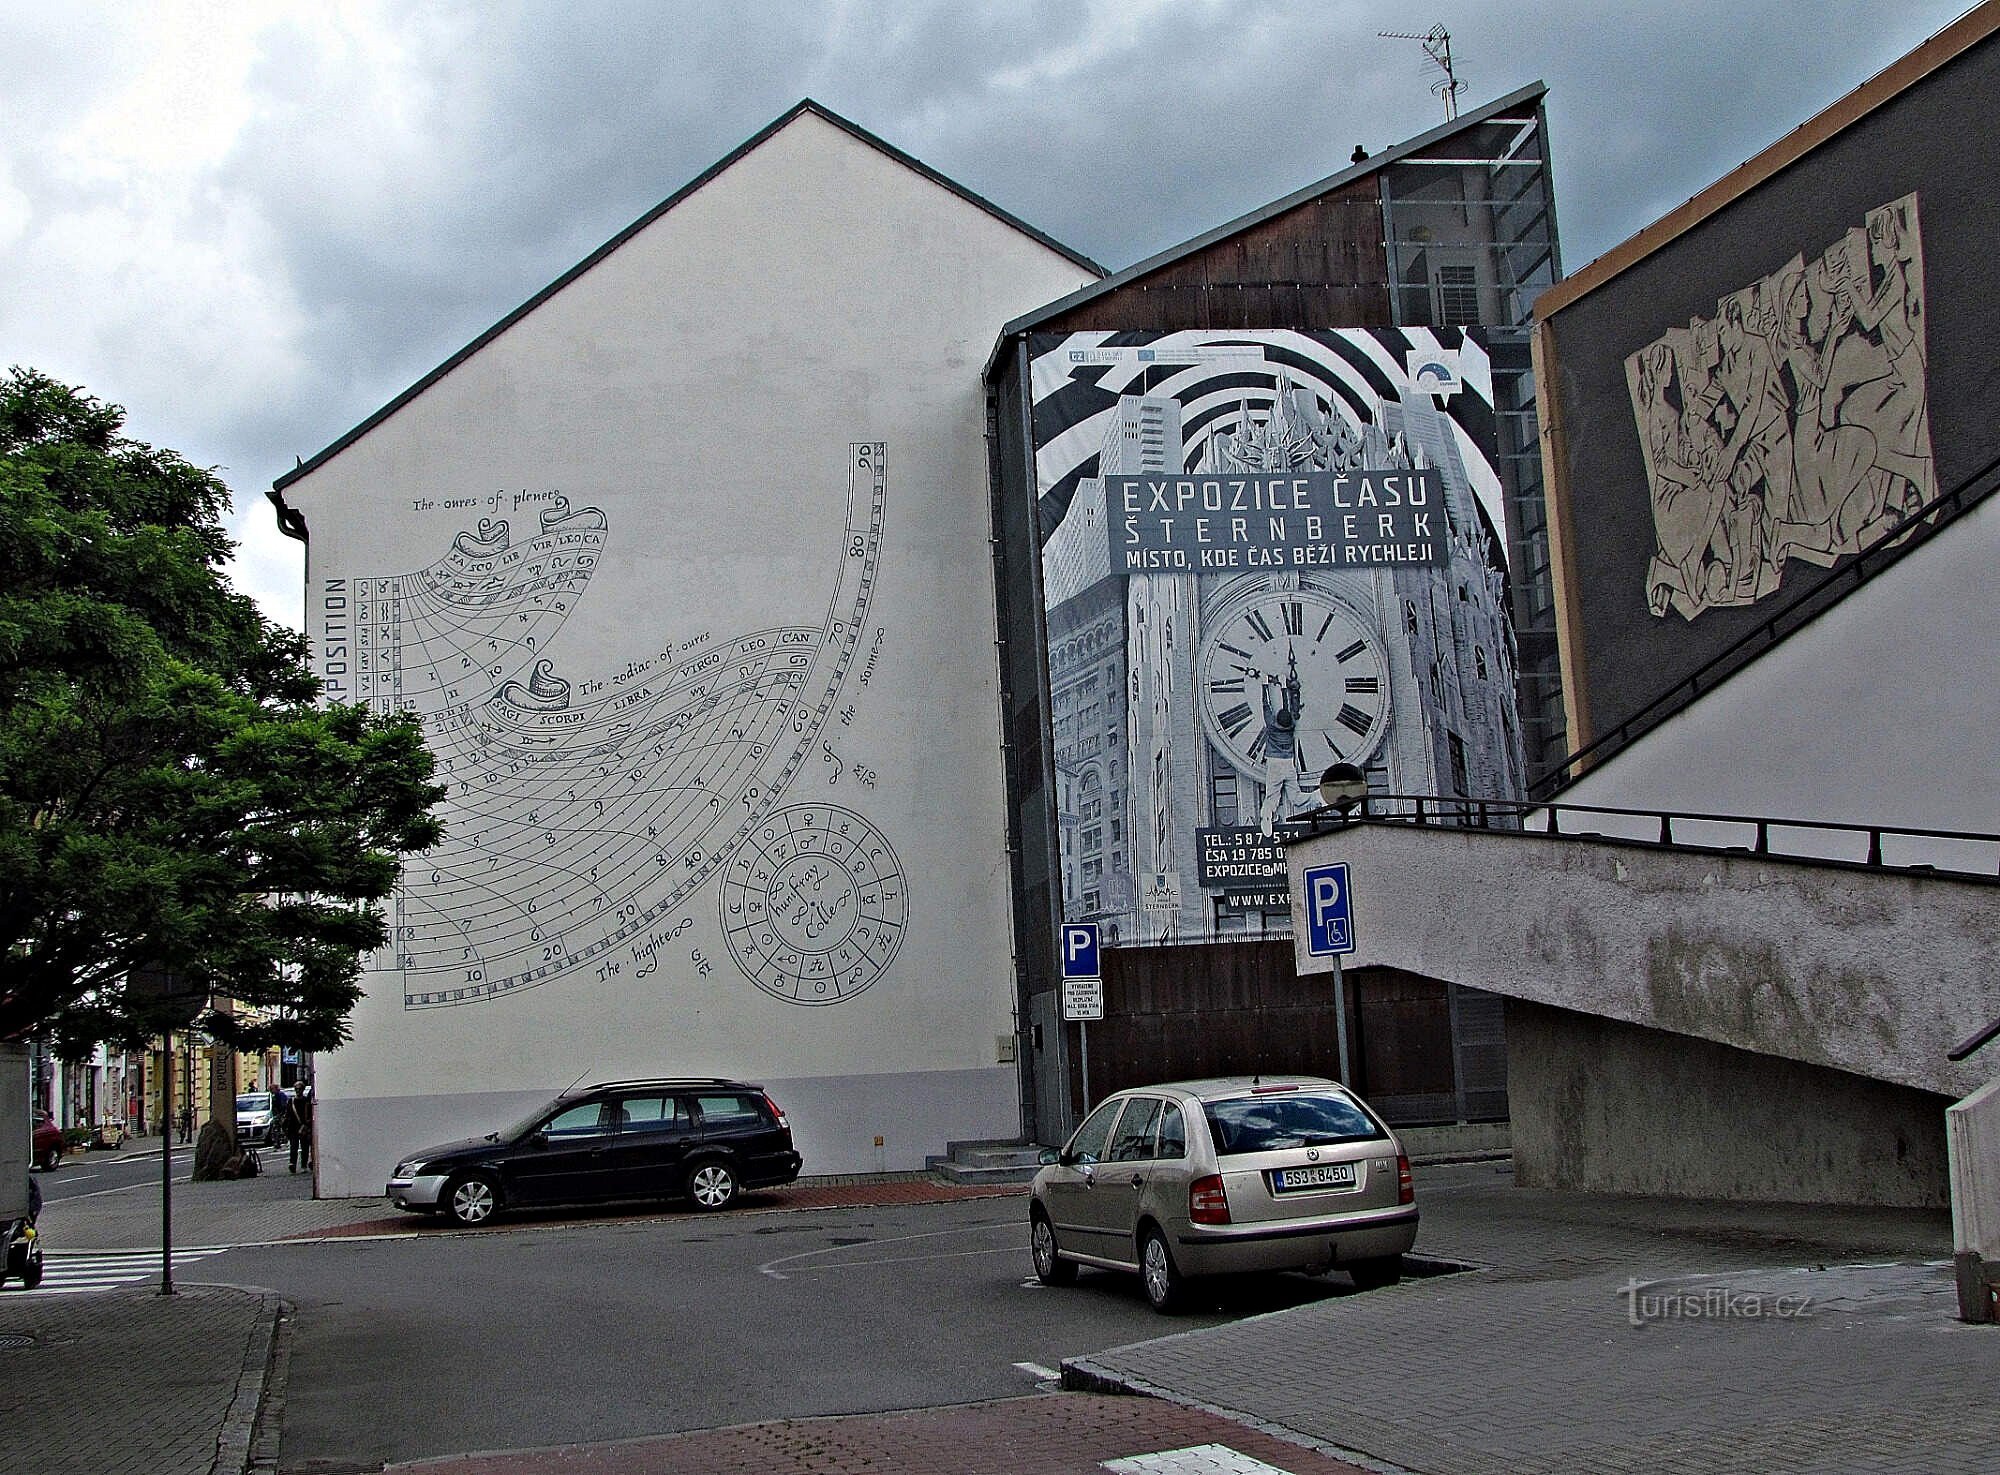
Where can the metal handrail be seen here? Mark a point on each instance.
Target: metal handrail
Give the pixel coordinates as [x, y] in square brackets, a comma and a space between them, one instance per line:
[1461, 812]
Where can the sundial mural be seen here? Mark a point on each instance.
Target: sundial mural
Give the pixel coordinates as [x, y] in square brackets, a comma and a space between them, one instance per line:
[584, 816]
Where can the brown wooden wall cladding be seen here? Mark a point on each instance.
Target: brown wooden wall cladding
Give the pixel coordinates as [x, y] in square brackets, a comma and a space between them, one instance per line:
[1180, 1013]
[1319, 265]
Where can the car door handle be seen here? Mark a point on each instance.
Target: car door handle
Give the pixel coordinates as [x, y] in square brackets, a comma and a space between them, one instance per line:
[1138, 1180]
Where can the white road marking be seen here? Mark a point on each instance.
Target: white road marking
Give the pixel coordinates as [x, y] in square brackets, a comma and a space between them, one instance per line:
[101, 1192]
[78, 1274]
[1196, 1459]
[770, 1267]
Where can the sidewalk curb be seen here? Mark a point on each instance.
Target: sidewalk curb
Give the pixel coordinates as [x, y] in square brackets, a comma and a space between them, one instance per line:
[233, 1443]
[268, 1433]
[1081, 1375]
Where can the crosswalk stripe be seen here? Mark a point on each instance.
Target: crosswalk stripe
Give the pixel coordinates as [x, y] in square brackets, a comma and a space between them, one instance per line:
[81, 1273]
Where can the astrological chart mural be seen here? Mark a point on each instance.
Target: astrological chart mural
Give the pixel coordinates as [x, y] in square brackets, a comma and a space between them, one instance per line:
[587, 816]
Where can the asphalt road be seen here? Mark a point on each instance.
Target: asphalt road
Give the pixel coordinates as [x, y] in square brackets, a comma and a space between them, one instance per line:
[569, 1332]
[105, 1172]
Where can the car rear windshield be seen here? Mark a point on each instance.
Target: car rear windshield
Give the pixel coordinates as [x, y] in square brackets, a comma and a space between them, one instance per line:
[1275, 1122]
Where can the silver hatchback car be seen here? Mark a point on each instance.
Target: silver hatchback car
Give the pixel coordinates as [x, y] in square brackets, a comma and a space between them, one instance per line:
[1220, 1177]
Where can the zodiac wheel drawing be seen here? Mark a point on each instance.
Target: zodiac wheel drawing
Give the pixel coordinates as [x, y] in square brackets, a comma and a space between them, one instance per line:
[584, 816]
[813, 904]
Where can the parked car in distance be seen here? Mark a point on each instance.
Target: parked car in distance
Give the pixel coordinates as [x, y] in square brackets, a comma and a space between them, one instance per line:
[702, 1139]
[48, 1143]
[1222, 1177]
[256, 1123]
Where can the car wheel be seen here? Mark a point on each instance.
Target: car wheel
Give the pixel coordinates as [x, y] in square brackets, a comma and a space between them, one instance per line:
[51, 1160]
[1166, 1287]
[31, 1273]
[712, 1186]
[1369, 1275]
[1051, 1269]
[473, 1200]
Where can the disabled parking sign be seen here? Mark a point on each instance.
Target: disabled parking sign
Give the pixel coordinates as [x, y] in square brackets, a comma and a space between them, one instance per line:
[1329, 913]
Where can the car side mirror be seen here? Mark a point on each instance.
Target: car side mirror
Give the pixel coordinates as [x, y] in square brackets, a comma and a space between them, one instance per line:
[538, 1139]
[1048, 1157]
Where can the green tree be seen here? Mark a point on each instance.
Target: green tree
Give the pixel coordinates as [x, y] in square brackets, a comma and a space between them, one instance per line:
[172, 796]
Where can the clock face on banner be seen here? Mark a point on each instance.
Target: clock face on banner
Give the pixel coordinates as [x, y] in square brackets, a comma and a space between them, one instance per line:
[1291, 673]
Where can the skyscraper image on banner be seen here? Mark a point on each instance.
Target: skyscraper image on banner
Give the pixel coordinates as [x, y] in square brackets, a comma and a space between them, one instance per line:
[1263, 554]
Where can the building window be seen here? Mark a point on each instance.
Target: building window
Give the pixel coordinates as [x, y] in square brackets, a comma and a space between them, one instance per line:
[1458, 296]
[1223, 798]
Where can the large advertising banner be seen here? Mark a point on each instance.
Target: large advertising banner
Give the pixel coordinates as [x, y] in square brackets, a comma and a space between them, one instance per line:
[1262, 554]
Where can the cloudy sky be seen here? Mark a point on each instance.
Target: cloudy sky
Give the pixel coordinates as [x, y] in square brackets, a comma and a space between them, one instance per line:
[254, 224]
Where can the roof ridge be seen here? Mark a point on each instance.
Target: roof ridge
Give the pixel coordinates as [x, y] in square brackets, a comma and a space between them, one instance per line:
[294, 525]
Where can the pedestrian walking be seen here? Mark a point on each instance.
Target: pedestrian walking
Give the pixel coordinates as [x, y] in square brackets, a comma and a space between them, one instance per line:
[298, 1127]
[187, 1124]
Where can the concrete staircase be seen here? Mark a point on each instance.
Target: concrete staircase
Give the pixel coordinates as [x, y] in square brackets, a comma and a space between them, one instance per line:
[985, 1162]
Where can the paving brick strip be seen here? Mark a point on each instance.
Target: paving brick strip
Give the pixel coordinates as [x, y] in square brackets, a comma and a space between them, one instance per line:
[859, 1194]
[132, 1381]
[1060, 1434]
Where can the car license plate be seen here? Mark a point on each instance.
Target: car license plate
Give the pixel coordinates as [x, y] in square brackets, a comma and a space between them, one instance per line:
[1328, 1175]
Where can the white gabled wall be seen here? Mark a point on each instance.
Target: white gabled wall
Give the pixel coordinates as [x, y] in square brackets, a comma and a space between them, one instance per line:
[702, 385]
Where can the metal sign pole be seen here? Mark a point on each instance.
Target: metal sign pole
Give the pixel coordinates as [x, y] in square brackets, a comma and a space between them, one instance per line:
[1340, 1023]
[166, 1163]
[1083, 1034]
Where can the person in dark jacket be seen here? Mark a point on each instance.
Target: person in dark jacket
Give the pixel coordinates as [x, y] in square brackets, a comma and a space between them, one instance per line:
[298, 1127]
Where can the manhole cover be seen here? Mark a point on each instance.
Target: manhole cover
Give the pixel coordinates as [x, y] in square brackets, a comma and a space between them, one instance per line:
[14, 1341]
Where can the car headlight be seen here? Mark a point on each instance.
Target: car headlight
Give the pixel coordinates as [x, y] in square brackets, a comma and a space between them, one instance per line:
[409, 1169]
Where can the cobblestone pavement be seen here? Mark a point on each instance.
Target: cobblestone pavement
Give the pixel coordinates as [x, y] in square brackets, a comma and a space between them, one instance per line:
[1058, 1434]
[132, 1381]
[1759, 1345]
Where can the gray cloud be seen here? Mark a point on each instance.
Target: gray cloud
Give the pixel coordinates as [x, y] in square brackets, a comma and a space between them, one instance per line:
[390, 190]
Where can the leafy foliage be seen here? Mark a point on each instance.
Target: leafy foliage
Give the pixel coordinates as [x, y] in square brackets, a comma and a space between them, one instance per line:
[171, 796]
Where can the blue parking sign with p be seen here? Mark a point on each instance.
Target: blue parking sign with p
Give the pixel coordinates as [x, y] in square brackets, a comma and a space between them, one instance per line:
[1329, 914]
[1079, 950]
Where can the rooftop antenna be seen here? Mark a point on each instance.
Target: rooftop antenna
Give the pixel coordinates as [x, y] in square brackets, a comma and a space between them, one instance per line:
[1437, 46]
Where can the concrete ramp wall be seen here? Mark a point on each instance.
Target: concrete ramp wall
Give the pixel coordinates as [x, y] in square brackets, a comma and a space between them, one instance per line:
[1871, 971]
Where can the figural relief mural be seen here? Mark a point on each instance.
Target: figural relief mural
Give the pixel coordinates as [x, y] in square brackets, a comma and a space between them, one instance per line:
[1791, 425]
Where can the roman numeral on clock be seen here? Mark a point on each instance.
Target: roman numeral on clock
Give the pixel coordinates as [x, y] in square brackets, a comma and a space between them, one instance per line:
[1353, 719]
[1256, 621]
[1235, 719]
[1222, 686]
[1361, 685]
[1295, 617]
[1352, 651]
